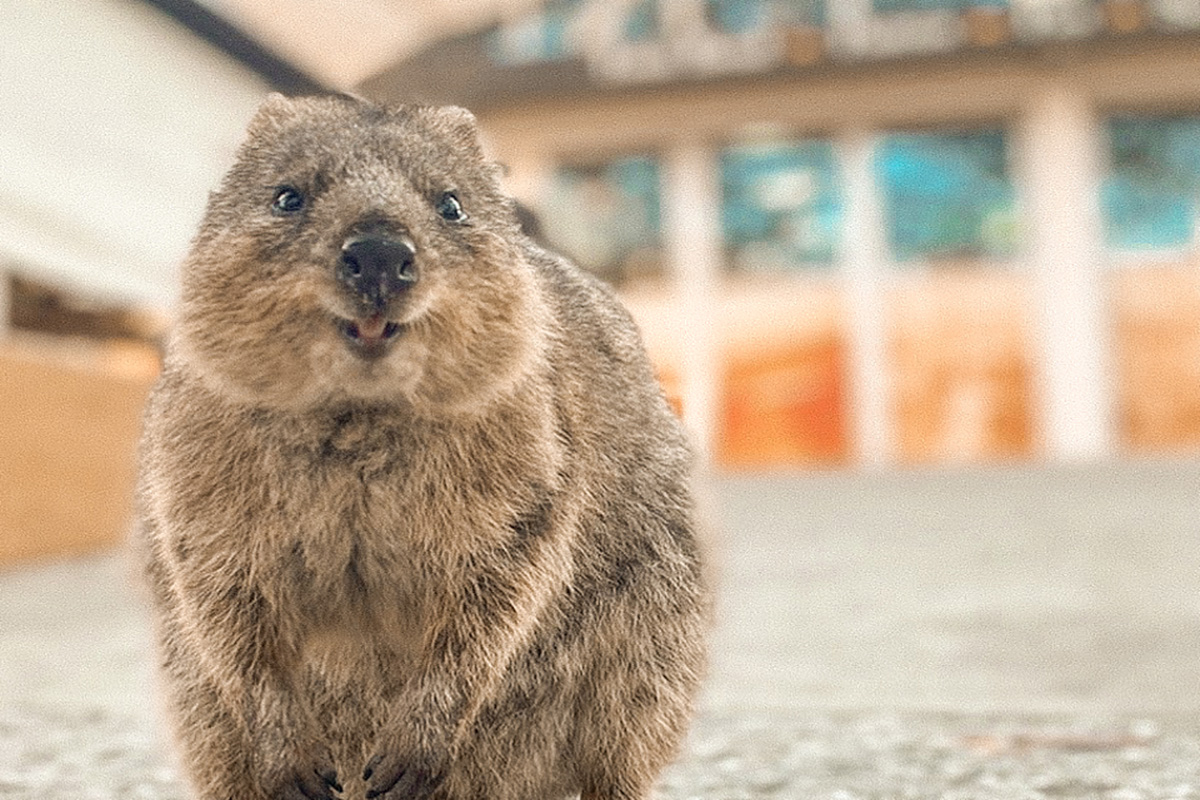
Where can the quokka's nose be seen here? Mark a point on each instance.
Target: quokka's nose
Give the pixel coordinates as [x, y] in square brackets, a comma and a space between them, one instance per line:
[376, 267]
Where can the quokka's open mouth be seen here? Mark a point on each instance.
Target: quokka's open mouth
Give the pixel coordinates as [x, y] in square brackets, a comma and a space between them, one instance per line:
[370, 336]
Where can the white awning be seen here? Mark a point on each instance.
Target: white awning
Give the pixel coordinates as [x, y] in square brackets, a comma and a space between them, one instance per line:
[114, 125]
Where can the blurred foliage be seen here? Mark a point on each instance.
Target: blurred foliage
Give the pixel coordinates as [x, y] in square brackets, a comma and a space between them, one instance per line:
[947, 195]
[1150, 196]
[608, 216]
[781, 204]
[547, 35]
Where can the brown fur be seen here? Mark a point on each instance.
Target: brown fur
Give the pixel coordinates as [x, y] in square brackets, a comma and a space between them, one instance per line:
[468, 562]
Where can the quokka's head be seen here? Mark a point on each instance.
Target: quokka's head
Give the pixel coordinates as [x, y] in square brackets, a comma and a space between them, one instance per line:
[355, 252]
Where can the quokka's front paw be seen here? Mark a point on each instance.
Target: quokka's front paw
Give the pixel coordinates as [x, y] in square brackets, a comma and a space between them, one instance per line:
[397, 772]
[311, 778]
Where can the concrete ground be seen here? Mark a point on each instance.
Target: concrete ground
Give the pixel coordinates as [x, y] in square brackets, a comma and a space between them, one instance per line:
[983, 633]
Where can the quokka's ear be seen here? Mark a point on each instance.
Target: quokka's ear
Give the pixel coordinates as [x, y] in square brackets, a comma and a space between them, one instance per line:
[275, 110]
[460, 124]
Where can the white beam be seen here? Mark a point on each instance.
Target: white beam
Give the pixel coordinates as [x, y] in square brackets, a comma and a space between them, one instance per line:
[5, 302]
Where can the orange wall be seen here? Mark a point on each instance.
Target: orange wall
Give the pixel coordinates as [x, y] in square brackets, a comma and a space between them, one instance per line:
[786, 405]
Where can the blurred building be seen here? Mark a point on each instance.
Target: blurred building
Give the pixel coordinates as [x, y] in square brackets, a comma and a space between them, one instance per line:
[870, 231]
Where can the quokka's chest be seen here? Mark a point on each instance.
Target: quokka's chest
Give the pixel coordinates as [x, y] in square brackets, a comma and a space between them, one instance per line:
[357, 508]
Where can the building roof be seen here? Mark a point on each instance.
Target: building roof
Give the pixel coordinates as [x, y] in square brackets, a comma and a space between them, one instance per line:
[332, 44]
[580, 48]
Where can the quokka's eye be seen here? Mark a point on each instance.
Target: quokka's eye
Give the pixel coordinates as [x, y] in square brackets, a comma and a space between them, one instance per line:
[450, 208]
[288, 200]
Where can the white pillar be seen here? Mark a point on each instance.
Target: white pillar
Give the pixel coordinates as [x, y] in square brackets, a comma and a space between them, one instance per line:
[864, 264]
[692, 221]
[1059, 155]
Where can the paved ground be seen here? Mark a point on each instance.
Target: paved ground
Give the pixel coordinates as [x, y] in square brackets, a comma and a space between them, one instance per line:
[1074, 589]
[1004, 633]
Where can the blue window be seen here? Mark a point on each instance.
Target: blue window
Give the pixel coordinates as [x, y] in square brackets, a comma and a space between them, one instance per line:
[802, 12]
[541, 36]
[642, 23]
[781, 205]
[947, 195]
[894, 6]
[747, 16]
[608, 217]
[737, 16]
[1152, 192]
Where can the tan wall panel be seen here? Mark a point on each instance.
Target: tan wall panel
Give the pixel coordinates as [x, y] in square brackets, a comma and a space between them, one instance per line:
[962, 367]
[68, 433]
[1157, 313]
